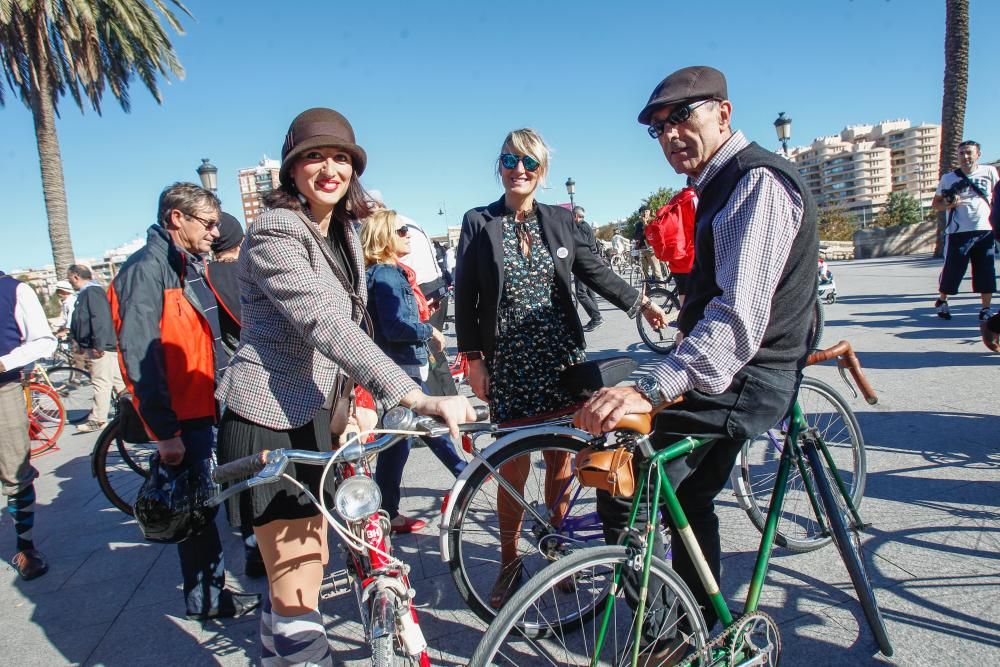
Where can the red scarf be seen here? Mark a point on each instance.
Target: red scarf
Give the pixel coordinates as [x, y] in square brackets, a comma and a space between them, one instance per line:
[423, 308]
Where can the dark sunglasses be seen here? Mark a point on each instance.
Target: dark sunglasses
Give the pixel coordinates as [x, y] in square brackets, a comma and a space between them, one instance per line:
[403, 231]
[509, 161]
[209, 225]
[676, 117]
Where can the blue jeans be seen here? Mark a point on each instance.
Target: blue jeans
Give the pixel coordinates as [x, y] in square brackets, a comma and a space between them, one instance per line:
[389, 469]
[202, 567]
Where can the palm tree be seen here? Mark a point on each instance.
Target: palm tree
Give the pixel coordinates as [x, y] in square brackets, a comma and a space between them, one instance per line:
[49, 48]
[956, 84]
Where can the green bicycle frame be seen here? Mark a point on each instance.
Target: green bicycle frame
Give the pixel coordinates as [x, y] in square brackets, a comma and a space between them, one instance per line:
[661, 487]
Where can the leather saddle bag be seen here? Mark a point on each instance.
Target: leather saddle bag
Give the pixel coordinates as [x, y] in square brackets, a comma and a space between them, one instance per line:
[606, 469]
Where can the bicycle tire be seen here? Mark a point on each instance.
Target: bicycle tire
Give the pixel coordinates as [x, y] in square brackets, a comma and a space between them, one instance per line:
[46, 418]
[849, 549]
[120, 467]
[74, 386]
[754, 474]
[660, 341]
[474, 533]
[591, 570]
[382, 651]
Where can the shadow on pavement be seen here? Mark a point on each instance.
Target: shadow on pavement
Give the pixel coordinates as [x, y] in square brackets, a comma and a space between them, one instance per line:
[109, 597]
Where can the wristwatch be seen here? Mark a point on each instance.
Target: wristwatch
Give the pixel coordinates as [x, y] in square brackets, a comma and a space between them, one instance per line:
[650, 390]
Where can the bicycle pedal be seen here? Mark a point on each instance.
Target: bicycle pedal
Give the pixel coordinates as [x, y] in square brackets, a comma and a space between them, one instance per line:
[335, 584]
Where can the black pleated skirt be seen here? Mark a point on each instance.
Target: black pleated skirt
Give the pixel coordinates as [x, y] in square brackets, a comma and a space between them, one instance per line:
[239, 437]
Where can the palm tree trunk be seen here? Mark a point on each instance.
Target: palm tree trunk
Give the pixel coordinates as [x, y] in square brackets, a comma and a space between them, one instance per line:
[956, 83]
[53, 183]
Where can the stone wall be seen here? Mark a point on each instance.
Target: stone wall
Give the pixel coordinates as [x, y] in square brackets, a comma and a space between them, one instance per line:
[900, 240]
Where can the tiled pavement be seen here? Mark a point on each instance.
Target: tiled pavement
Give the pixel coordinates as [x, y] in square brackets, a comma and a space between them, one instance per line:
[933, 495]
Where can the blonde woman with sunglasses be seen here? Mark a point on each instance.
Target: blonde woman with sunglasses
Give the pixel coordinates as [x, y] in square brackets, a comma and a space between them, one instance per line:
[516, 321]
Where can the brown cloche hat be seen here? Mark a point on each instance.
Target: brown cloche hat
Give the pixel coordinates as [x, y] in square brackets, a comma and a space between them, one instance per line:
[316, 128]
[689, 83]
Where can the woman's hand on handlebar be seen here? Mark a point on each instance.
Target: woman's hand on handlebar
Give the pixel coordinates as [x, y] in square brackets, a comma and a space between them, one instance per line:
[479, 379]
[606, 408]
[452, 410]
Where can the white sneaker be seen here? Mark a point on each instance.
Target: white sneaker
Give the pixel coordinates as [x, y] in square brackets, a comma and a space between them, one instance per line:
[942, 309]
[90, 426]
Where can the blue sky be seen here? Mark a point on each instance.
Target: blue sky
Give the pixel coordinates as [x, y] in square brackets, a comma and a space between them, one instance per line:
[432, 88]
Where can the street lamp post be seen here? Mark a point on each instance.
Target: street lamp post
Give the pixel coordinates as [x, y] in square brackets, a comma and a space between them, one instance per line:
[209, 175]
[783, 126]
[571, 190]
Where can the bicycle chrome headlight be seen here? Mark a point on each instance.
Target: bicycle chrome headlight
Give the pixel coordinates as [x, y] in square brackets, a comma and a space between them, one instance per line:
[357, 498]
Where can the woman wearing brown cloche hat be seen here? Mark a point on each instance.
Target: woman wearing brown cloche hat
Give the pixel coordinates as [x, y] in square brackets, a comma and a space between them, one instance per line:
[302, 290]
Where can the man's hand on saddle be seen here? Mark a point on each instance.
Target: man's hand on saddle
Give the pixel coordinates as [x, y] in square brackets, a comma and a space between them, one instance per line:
[607, 406]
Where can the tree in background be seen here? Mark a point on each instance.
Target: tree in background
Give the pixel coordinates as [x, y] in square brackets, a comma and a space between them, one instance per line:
[49, 48]
[836, 224]
[654, 201]
[956, 84]
[902, 208]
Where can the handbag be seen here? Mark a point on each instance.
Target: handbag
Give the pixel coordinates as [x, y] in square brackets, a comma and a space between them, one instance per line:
[342, 407]
[606, 469]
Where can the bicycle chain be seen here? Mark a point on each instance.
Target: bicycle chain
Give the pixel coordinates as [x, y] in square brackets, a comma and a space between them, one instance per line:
[706, 654]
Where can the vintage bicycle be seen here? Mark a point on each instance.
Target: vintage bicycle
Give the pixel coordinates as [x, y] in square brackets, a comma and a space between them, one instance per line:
[378, 579]
[551, 520]
[622, 605]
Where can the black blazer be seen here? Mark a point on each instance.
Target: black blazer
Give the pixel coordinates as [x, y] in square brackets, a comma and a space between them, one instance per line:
[479, 272]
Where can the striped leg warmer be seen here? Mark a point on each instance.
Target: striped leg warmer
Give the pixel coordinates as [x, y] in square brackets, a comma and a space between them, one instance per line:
[301, 640]
[21, 506]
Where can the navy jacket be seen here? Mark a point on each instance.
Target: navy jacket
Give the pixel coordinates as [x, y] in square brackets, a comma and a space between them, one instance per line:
[393, 311]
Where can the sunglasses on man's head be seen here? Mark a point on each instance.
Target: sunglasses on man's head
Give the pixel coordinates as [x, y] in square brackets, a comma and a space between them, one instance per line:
[676, 117]
[403, 231]
[509, 161]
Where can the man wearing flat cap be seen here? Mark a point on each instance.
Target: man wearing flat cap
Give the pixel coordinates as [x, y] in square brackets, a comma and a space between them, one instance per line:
[748, 315]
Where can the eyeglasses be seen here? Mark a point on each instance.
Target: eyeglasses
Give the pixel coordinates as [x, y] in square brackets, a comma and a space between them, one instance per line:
[403, 231]
[209, 225]
[676, 117]
[509, 161]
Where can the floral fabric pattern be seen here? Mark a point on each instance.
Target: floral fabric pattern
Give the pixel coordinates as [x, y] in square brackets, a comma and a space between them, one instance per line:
[534, 342]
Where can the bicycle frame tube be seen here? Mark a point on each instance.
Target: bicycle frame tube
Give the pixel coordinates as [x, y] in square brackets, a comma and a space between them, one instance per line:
[795, 425]
[680, 522]
[839, 480]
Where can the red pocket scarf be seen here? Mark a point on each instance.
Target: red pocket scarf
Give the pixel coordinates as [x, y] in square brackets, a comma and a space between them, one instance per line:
[423, 308]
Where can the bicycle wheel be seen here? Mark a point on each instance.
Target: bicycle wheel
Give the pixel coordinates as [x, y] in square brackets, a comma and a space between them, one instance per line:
[74, 387]
[848, 545]
[661, 341]
[674, 625]
[474, 534]
[46, 418]
[754, 476]
[636, 276]
[120, 467]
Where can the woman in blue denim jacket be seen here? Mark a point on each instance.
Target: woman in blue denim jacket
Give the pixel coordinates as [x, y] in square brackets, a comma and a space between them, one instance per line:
[398, 310]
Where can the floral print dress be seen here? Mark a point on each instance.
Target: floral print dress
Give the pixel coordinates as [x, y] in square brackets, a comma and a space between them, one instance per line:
[534, 342]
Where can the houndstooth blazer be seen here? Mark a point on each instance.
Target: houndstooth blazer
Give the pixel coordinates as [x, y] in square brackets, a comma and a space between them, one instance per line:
[298, 333]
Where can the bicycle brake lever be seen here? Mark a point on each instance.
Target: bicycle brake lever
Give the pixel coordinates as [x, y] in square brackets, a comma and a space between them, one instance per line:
[850, 385]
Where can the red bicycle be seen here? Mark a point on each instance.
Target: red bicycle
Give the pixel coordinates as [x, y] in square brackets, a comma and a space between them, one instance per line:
[459, 367]
[379, 580]
[46, 415]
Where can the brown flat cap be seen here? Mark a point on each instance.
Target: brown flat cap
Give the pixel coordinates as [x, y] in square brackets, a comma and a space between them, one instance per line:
[691, 83]
[319, 128]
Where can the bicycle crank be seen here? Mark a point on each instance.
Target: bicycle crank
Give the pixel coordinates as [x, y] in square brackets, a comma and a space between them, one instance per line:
[755, 641]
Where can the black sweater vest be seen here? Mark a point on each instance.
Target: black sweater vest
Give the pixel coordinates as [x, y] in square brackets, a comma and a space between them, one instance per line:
[786, 339]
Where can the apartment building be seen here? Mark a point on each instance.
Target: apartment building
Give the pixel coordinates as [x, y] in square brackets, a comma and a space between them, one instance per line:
[858, 168]
[255, 182]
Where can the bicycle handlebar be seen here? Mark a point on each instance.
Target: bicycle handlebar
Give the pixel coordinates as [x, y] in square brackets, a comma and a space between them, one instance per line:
[846, 359]
[267, 466]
